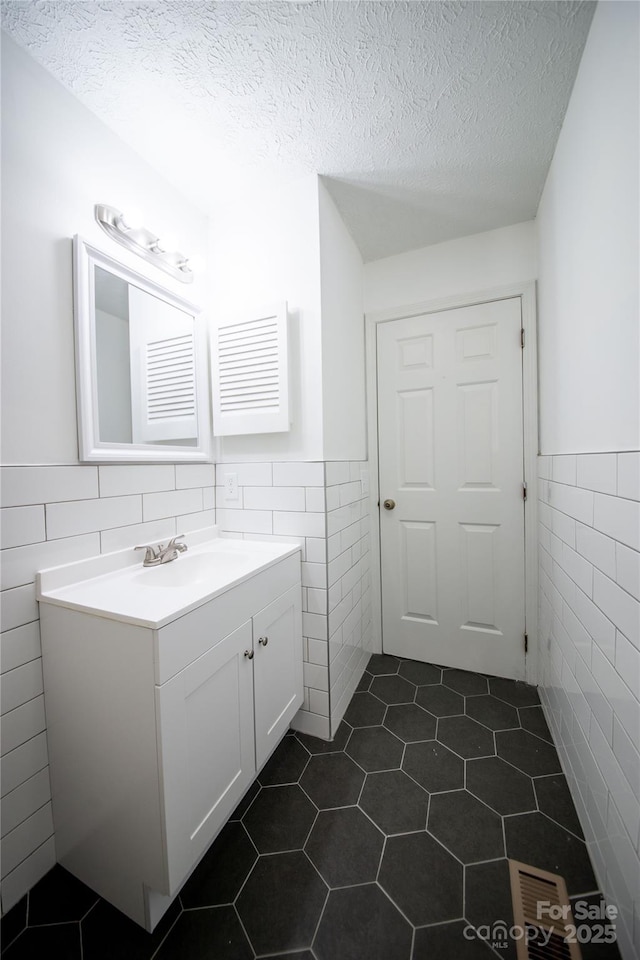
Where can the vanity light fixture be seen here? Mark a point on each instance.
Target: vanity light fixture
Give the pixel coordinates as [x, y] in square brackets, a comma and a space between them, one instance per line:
[143, 242]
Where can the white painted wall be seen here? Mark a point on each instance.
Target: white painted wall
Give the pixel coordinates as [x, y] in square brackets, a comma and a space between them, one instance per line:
[264, 251]
[293, 245]
[343, 369]
[468, 265]
[58, 160]
[589, 624]
[588, 240]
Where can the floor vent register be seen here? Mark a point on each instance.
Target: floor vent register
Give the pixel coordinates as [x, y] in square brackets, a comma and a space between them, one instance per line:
[541, 907]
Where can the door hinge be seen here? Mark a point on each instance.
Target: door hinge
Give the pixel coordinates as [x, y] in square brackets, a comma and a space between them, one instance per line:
[522, 337]
[526, 643]
[524, 491]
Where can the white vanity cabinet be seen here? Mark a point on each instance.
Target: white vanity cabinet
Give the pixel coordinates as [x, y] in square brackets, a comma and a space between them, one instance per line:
[155, 734]
[219, 720]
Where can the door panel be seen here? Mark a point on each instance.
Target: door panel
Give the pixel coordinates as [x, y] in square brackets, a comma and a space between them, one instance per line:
[451, 456]
[278, 685]
[418, 552]
[206, 748]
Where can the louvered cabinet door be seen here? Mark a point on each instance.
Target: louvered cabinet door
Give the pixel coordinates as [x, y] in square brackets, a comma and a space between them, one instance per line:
[250, 374]
[163, 370]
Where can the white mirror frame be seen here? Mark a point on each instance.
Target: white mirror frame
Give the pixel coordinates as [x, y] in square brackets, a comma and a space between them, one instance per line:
[91, 448]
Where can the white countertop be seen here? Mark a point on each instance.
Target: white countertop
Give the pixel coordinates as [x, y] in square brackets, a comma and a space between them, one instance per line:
[117, 586]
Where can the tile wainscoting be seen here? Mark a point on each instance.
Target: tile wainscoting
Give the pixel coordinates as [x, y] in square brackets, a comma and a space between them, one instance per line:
[53, 515]
[321, 504]
[589, 539]
[58, 514]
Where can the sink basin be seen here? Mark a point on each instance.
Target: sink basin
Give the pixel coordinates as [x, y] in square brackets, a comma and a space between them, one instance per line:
[118, 587]
[194, 569]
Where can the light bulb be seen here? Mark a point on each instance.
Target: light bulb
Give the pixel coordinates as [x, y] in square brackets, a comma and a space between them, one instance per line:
[132, 219]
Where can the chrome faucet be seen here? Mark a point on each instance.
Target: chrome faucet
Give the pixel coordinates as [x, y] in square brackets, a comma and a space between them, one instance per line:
[158, 553]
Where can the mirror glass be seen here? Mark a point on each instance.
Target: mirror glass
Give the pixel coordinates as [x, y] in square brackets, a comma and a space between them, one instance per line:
[140, 366]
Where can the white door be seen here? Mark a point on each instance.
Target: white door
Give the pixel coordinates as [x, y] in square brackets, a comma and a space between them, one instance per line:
[451, 457]
[277, 670]
[206, 747]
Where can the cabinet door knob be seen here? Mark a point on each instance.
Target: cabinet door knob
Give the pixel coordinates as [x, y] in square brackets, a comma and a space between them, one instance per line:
[263, 641]
[249, 654]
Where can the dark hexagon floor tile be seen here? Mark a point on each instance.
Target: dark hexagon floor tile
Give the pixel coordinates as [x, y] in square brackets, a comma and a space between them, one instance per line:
[286, 764]
[393, 689]
[487, 899]
[433, 766]
[13, 922]
[420, 673]
[58, 897]
[364, 682]
[500, 785]
[315, 745]
[223, 869]
[281, 902]
[364, 710]
[107, 933]
[374, 748]
[394, 802]
[533, 838]
[279, 819]
[466, 737]
[556, 801]
[493, 713]
[201, 934]
[447, 941]
[515, 692]
[382, 663]
[440, 701]
[422, 878]
[410, 722]
[345, 847]
[528, 753]
[360, 923]
[466, 827]
[62, 940]
[533, 720]
[333, 780]
[465, 683]
[303, 955]
[246, 801]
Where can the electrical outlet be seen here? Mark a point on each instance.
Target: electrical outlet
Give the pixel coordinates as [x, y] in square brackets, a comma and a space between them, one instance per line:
[231, 486]
[364, 482]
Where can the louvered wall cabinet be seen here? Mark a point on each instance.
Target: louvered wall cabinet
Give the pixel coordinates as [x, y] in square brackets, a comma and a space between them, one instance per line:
[250, 376]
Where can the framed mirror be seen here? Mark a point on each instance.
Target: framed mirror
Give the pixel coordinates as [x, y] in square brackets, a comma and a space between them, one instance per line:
[141, 366]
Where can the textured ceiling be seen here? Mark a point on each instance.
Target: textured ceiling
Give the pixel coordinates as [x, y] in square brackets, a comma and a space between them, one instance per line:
[431, 120]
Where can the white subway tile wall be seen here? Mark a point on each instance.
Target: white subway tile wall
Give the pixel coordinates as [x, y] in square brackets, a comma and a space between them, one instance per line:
[52, 515]
[321, 506]
[590, 649]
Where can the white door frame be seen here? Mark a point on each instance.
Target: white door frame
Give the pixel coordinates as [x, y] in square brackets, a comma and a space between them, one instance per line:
[527, 293]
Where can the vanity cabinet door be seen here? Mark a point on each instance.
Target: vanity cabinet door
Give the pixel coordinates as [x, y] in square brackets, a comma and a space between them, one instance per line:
[277, 665]
[206, 732]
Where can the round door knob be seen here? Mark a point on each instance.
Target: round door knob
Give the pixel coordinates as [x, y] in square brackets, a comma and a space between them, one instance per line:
[263, 641]
[389, 504]
[249, 654]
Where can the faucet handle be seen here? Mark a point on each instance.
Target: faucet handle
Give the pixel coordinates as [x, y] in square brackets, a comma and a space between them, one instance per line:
[152, 551]
[175, 545]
